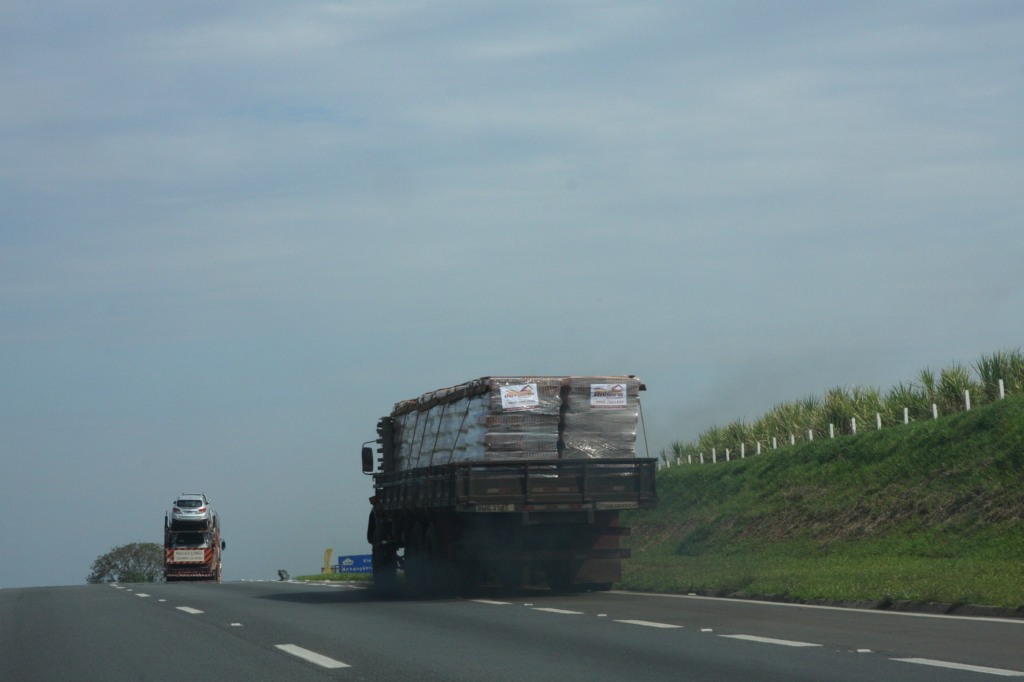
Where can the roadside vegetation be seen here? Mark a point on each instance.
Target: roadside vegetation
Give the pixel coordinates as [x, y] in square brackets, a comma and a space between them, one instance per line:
[861, 408]
[930, 511]
[349, 577]
[136, 562]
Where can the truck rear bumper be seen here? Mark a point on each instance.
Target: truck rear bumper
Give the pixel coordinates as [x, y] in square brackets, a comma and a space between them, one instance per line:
[205, 573]
[541, 555]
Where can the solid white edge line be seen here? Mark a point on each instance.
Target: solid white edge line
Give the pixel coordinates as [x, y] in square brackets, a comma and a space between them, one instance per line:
[650, 624]
[188, 609]
[962, 666]
[770, 640]
[311, 656]
[880, 612]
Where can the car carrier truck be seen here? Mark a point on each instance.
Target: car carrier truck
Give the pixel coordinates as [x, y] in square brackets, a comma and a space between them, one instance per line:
[192, 549]
[507, 479]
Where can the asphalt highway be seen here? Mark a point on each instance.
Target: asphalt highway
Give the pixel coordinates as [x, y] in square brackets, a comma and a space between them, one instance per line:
[297, 631]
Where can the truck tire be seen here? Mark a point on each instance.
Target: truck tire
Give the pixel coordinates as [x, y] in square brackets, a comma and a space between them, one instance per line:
[510, 575]
[433, 569]
[467, 575]
[559, 575]
[385, 561]
[443, 576]
[415, 563]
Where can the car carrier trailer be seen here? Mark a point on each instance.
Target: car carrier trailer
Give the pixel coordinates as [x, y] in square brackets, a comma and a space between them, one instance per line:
[192, 549]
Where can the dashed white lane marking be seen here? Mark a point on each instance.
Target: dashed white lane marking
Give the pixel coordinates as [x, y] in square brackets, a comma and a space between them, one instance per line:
[961, 666]
[141, 594]
[769, 640]
[563, 611]
[189, 609]
[650, 624]
[311, 656]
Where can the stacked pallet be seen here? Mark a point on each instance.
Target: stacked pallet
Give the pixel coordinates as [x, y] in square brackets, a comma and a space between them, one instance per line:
[518, 418]
[600, 416]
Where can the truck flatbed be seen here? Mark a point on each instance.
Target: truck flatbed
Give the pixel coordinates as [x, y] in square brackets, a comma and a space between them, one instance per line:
[494, 487]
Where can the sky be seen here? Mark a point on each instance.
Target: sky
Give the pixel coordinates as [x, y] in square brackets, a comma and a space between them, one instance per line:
[234, 234]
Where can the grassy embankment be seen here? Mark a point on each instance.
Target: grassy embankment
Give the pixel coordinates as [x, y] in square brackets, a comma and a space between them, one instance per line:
[931, 511]
[345, 577]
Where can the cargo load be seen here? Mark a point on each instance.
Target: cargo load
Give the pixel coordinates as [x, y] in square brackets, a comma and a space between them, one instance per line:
[518, 418]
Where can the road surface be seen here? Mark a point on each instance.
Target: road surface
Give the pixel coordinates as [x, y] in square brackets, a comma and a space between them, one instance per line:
[295, 631]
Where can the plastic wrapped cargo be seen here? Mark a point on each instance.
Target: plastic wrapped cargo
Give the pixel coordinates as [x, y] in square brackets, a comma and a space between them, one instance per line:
[600, 416]
[518, 418]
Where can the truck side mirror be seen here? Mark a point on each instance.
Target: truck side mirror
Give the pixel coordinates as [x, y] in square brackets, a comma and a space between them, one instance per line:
[367, 460]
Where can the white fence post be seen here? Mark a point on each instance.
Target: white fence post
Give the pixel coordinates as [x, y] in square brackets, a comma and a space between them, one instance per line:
[689, 459]
[906, 415]
[810, 434]
[759, 447]
[935, 411]
[878, 420]
[702, 458]
[853, 425]
[775, 443]
[714, 456]
[743, 450]
[727, 455]
[967, 400]
[1002, 390]
[792, 439]
[831, 430]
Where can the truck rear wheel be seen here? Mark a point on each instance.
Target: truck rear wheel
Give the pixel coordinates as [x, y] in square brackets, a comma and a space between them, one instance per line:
[559, 575]
[385, 561]
[433, 574]
[415, 561]
[510, 575]
[444, 574]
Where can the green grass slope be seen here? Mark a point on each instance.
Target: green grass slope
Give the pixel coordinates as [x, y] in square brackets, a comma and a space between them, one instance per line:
[925, 512]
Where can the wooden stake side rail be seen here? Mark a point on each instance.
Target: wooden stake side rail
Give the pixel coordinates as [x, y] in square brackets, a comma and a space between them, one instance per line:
[532, 485]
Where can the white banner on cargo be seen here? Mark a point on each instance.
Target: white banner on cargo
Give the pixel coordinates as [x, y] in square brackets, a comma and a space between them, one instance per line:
[608, 395]
[520, 397]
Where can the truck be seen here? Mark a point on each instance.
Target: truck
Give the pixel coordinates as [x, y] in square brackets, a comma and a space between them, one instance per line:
[512, 480]
[192, 549]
